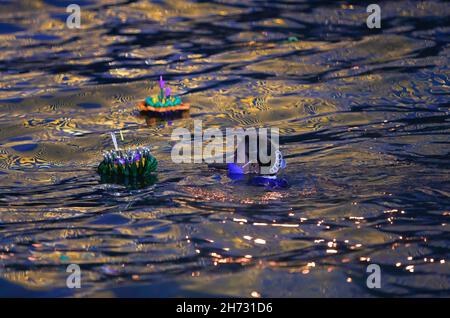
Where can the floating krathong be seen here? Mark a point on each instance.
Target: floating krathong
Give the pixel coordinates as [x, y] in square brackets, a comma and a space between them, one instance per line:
[163, 102]
[132, 163]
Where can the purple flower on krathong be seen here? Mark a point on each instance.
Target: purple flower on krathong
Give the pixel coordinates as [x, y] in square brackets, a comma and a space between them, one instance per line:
[167, 91]
[137, 157]
[121, 161]
[161, 82]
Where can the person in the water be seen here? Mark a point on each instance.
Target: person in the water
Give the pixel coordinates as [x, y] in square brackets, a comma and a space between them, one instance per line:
[253, 169]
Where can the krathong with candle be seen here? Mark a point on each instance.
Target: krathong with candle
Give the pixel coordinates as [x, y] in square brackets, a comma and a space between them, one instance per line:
[131, 163]
[164, 102]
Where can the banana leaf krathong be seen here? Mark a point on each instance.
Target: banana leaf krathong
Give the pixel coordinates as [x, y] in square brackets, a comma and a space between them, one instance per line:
[136, 163]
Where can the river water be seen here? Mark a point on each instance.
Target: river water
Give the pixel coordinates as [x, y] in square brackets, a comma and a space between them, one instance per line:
[364, 121]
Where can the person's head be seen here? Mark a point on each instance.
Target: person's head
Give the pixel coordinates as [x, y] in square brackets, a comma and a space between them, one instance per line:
[254, 162]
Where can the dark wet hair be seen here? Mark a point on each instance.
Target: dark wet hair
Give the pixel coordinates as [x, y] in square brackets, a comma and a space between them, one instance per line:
[246, 142]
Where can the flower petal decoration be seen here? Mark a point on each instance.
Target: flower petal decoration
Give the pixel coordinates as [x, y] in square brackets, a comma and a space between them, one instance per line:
[133, 163]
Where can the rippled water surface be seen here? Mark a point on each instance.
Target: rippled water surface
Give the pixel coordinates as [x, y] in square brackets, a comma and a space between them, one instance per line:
[364, 122]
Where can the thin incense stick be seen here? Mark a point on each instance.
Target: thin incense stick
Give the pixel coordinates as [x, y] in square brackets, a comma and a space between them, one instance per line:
[113, 137]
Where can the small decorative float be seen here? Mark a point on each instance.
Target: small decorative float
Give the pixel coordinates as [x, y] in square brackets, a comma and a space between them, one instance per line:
[132, 167]
[164, 102]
